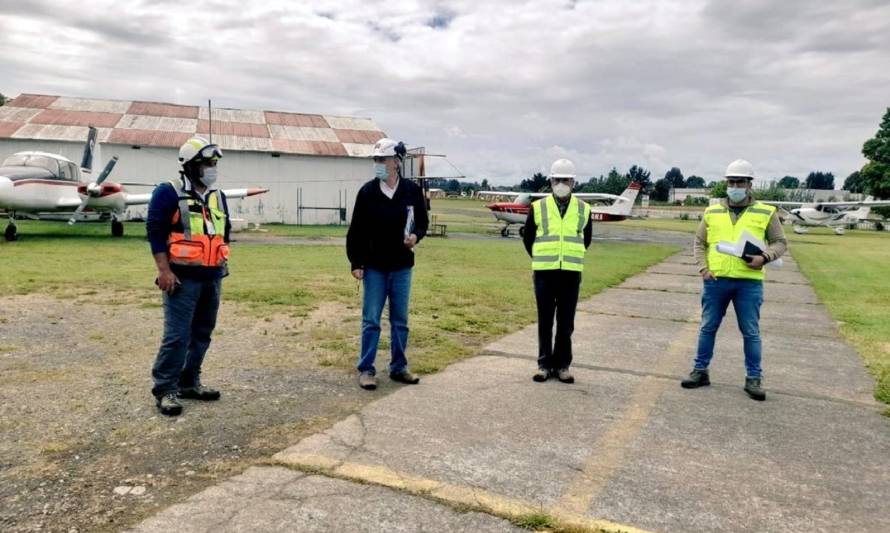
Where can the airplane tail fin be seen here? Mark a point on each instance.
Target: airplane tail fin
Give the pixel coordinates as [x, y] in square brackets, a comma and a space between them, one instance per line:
[86, 164]
[631, 192]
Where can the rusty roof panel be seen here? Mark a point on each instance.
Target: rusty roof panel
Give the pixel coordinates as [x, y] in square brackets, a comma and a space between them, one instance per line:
[358, 136]
[9, 113]
[296, 133]
[145, 122]
[162, 110]
[296, 119]
[76, 118]
[329, 148]
[56, 132]
[233, 142]
[148, 138]
[241, 129]
[350, 123]
[38, 101]
[358, 150]
[88, 104]
[234, 115]
[8, 128]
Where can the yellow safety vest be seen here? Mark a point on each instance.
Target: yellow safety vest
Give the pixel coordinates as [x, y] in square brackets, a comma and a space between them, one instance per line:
[197, 237]
[559, 241]
[754, 219]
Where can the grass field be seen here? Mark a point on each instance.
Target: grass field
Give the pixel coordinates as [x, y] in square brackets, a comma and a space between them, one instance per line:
[465, 292]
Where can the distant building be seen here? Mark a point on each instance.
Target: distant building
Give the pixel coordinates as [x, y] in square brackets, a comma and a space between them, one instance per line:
[678, 195]
[312, 164]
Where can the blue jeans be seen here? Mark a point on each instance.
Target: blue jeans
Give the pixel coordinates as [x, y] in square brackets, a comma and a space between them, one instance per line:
[746, 297]
[380, 285]
[189, 319]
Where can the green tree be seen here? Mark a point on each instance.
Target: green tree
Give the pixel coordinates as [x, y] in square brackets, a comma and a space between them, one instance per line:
[789, 182]
[820, 180]
[662, 190]
[718, 190]
[855, 183]
[484, 185]
[3, 99]
[534, 184]
[876, 173]
[695, 182]
[675, 177]
[773, 192]
[641, 176]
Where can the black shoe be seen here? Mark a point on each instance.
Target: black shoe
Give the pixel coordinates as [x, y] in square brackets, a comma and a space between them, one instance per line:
[565, 376]
[541, 375]
[199, 392]
[405, 377]
[169, 405]
[754, 388]
[697, 378]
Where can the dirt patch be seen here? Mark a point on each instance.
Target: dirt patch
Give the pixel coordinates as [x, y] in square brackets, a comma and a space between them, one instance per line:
[82, 447]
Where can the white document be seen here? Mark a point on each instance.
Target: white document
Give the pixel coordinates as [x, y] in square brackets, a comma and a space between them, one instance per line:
[409, 224]
[754, 246]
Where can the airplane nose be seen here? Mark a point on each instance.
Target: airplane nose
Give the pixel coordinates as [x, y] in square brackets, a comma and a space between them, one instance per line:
[5, 187]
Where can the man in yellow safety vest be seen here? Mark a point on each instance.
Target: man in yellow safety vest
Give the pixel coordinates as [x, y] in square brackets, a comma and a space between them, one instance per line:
[728, 278]
[556, 235]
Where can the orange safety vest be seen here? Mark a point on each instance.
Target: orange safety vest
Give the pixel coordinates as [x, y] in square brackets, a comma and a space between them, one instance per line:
[198, 235]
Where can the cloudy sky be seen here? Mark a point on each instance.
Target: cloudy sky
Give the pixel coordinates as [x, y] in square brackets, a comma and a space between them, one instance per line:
[502, 87]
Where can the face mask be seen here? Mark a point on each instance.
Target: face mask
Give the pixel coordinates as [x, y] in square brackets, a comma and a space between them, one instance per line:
[561, 190]
[209, 176]
[736, 194]
[380, 171]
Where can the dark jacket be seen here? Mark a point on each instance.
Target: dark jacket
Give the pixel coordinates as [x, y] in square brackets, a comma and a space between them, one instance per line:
[159, 223]
[377, 231]
[528, 234]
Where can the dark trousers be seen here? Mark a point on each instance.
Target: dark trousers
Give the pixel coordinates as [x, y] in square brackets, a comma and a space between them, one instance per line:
[556, 292]
[189, 319]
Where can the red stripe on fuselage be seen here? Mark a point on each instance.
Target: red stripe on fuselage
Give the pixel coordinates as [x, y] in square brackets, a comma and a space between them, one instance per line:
[508, 207]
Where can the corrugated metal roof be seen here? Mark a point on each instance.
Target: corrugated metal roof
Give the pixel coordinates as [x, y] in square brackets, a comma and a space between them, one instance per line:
[48, 117]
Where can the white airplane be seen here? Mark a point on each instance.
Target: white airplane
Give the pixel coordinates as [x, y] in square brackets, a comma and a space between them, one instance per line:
[834, 215]
[516, 211]
[43, 185]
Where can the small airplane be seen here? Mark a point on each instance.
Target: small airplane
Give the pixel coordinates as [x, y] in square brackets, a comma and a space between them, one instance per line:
[516, 211]
[834, 215]
[43, 185]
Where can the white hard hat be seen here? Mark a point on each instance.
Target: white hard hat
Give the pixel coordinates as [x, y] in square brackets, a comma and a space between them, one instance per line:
[389, 148]
[198, 149]
[740, 169]
[562, 168]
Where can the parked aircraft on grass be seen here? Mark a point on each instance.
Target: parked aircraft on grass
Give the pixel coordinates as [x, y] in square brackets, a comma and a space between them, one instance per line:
[43, 185]
[834, 215]
[515, 212]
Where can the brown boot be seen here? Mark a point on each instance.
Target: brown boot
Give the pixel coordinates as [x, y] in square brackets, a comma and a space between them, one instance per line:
[565, 376]
[367, 381]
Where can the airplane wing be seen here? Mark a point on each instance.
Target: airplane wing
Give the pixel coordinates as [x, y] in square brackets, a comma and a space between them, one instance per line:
[784, 204]
[580, 195]
[144, 198]
[860, 203]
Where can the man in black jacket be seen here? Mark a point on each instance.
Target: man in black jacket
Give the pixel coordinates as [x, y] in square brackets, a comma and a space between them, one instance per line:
[388, 220]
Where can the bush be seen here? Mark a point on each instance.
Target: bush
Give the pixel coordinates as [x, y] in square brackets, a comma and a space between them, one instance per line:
[684, 216]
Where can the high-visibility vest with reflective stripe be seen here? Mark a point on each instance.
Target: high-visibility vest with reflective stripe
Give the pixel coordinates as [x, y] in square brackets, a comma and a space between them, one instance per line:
[559, 241]
[755, 219]
[198, 234]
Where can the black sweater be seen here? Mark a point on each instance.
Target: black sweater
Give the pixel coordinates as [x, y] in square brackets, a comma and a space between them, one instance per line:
[377, 231]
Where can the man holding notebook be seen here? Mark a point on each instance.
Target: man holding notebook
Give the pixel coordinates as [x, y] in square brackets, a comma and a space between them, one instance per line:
[728, 278]
[388, 220]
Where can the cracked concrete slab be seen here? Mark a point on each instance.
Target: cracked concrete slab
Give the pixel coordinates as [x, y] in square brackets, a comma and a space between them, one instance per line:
[274, 499]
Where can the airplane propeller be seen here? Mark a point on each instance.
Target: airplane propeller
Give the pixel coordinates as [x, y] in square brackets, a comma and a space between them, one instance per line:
[93, 190]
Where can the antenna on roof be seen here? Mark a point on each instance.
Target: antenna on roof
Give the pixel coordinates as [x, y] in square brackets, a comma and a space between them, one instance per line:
[210, 117]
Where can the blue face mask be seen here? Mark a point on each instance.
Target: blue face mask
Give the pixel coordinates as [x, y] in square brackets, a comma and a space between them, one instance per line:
[380, 171]
[736, 194]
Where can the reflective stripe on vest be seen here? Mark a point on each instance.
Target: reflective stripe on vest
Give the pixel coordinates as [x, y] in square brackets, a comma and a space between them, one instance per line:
[755, 219]
[202, 239]
[559, 241]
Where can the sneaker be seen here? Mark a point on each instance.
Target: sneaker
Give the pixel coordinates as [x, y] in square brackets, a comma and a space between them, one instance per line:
[199, 392]
[697, 378]
[405, 377]
[754, 388]
[169, 405]
[542, 375]
[565, 376]
[367, 381]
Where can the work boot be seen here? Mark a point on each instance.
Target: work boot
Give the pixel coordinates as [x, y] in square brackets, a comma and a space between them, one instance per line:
[754, 389]
[405, 377]
[565, 376]
[697, 378]
[541, 375]
[199, 392]
[169, 405]
[367, 381]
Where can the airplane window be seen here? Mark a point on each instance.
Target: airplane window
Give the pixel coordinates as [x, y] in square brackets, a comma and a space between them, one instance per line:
[15, 161]
[43, 162]
[73, 170]
[64, 173]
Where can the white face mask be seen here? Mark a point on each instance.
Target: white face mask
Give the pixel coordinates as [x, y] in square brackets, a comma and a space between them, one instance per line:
[561, 190]
[208, 177]
[380, 171]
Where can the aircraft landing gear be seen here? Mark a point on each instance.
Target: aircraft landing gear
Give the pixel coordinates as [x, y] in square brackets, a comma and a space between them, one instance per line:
[522, 231]
[11, 232]
[117, 228]
[800, 230]
[839, 230]
[505, 231]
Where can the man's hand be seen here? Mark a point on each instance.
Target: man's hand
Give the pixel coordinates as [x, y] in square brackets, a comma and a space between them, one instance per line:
[707, 275]
[756, 262]
[410, 241]
[358, 273]
[167, 281]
